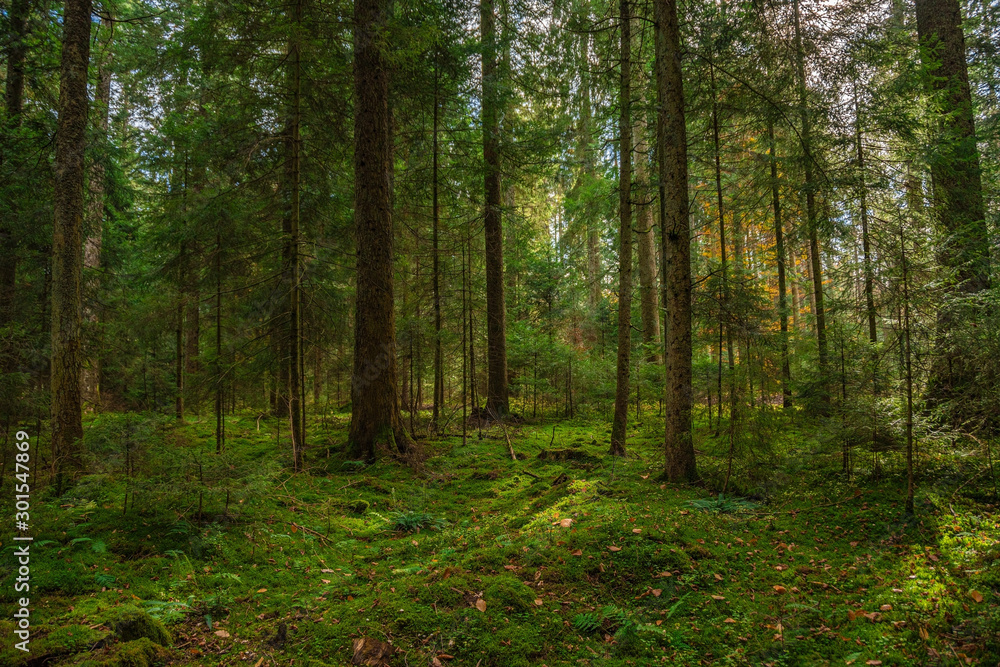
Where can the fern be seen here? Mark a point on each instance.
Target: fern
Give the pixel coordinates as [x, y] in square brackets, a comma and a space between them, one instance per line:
[723, 505]
[412, 522]
[587, 623]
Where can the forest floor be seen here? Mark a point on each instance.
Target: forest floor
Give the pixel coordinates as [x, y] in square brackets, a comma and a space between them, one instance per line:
[478, 560]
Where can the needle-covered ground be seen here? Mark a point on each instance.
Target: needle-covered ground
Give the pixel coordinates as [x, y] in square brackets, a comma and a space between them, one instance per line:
[177, 555]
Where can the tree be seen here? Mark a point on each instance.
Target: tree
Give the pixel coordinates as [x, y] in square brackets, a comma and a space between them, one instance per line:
[675, 244]
[496, 309]
[375, 417]
[67, 418]
[957, 189]
[618, 428]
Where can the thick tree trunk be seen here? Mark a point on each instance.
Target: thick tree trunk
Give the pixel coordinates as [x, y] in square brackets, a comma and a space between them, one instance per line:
[779, 250]
[959, 210]
[71, 131]
[496, 316]
[812, 222]
[675, 243]
[13, 102]
[958, 185]
[375, 416]
[619, 426]
[293, 267]
[91, 376]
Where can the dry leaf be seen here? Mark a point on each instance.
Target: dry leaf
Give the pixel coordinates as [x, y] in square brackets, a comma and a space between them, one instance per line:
[976, 595]
[885, 607]
[222, 633]
[566, 523]
[656, 592]
[539, 602]
[614, 549]
[261, 590]
[729, 620]
[874, 662]
[779, 589]
[924, 634]
[481, 604]
[933, 557]
[578, 552]
[718, 597]
[718, 577]
[637, 530]
[854, 544]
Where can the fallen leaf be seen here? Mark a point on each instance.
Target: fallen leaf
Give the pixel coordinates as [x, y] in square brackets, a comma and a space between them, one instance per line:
[578, 552]
[885, 607]
[924, 634]
[222, 633]
[614, 549]
[976, 595]
[779, 589]
[718, 597]
[729, 620]
[718, 577]
[656, 592]
[637, 530]
[854, 544]
[539, 602]
[566, 523]
[664, 574]
[933, 557]
[874, 662]
[481, 604]
[261, 590]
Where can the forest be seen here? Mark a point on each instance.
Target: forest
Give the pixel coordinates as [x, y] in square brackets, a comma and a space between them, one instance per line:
[497, 334]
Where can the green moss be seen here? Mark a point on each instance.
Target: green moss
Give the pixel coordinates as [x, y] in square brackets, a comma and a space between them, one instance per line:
[131, 623]
[506, 592]
[138, 653]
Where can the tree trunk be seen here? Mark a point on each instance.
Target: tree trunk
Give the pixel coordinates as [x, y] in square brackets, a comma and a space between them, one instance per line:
[91, 375]
[779, 249]
[645, 226]
[436, 268]
[375, 415]
[619, 426]
[675, 243]
[496, 329]
[812, 222]
[959, 210]
[293, 267]
[14, 101]
[71, 139]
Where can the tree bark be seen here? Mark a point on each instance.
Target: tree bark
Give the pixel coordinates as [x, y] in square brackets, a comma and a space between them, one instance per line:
[91, 376]
[959, 210]
[645, 233]
[675, 243]
[436, 268]
[293, 267]
[71, 130]
[779, 250]
[957, 178]
[812, 222]
[13, 101]
[496, 316]
[375, 415]
[620, 423]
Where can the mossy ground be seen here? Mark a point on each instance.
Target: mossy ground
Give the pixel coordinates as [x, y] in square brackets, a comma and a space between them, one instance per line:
[825, 570]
